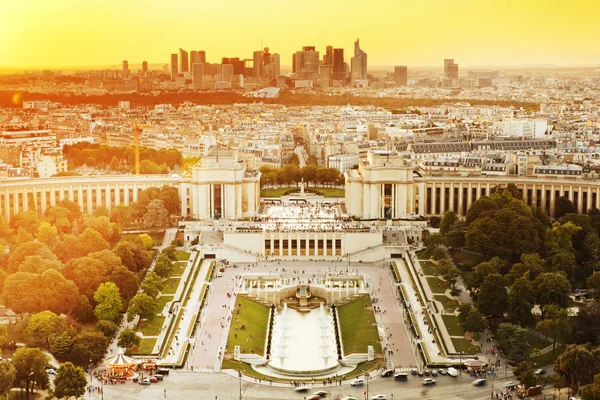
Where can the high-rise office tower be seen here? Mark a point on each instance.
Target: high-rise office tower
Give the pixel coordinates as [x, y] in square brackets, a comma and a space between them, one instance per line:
[401, 75]
[450, 69]
[183, 61]
[144, 67]
[359, 63]
[338, 69]
[307, 63]
[194, 59]
[202, 55]
[276, 67]
[174, 66]
[198, 76]
[328, 57]
[257, 57]
[266, 59]
[226, 72]
[125, 69]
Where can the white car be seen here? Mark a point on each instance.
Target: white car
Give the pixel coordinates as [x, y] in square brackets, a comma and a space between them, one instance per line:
[357, 382]
[51, 371]
[479, 382]
[379, 397]
[428, 381]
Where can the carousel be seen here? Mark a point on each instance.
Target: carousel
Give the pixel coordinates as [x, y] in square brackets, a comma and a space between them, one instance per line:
[121, 367]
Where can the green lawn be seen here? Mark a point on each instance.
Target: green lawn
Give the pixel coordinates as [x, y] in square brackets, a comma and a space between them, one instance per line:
[449, 304]
[437, 285]
[146, 347]
[182, 255]
[358, 327]
[162, 302]
[255, 317]
[178, 269]
[467, 258]
[536, 342]
[428, 267]
[278, 192]
[157, 237]
[547, 358]
[151, 328]
[210, 272]
[170, 285]
[464, 345]
[396, 272]
[452, 325]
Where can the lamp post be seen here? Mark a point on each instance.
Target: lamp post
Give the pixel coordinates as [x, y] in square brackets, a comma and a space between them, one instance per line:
[460, 353]
[367, 376]
[240, 378]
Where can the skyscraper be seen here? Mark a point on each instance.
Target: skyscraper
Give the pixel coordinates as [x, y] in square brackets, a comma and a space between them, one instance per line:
[328, 57]
[183, 61]
[125, 69]
[450, 69]
[358, 63]
[307, 63]
[194, 59]
[198, 76]
[257, 57]
[276, 67]
[174, 66]
[144, 67]
[226, 72]
[338, 69]
[401, 75]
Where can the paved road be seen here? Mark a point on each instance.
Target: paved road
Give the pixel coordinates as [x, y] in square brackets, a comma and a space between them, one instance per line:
[193, 385]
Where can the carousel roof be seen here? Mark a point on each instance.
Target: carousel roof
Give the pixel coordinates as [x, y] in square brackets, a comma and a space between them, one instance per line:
[120, 359]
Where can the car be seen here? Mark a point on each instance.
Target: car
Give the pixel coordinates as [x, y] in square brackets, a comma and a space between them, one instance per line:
[428, 381]
[420, 373]
[401, 376]
[301, 389]
[145, 381]
[158, 377]
[540, 371]
[153, 379]
[320, 393]
[358, 382]
[219, 274]
[349, 398]
[442, 371]
[387, 373]
[511, 384]
[313, 397]
[434, 372]
[162, 371]
[479, 382]
[379, 397]
[51, 371]
[413, 371]
[427, 372]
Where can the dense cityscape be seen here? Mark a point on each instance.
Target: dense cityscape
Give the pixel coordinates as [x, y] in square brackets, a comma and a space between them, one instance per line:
[299, 225]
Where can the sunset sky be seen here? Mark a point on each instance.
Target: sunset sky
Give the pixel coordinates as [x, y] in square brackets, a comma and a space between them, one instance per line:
[63, 33]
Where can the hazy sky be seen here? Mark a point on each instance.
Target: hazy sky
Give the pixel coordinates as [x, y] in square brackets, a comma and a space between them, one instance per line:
[35, 33]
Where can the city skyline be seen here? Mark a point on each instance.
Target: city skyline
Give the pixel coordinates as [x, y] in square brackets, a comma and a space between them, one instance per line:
[66, 34]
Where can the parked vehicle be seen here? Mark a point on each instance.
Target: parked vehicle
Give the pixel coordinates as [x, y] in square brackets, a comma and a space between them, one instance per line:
[320, 393]
[442, 371]
[301, 389]
[159, 377]
[413, 371]
[453, 372]
[358, 382]
[153, 379]
[434, 372]
[379, 397]
[428, 381]
[50, 371]
[313, 397]
[163, 371]
[145, 381]
[540, 371]
[387, 373]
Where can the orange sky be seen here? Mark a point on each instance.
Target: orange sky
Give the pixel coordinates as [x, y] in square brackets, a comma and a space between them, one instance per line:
[62, 33]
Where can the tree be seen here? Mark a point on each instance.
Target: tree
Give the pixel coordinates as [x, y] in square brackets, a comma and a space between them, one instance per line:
[594, 283]
[169, 195]
[23, 236]
[521, 299]
[163, 266]
[128, 339]
[512, 340]
[8, 376]
[552, 288]
[565, 262]
[83, 311]
[87, 273]
[27, 249]
[131, 255]
[47, 234]
[563, 206]
[108, 301]
[556, 324]
[88, 346]
[591, 391]
[156, 214]
[41, 327]
[577, 364]
[585, 323]
[61, 345]
[294, 160]
[27, 220]
[30, 364]
[59, 217]
[122, 216]
[70, 381]
[38, 265]
[448, 220]
[146, 241]
[493, 297]
[143, 305]
[3, 335]
[152, 285]
[482, 206]
[449, 273]
[531, 265]
[524, 373]
[126, 280]
[475, 323]
[107, 328]
[92, 241]
[456, 234]
[559, 236]
[482, 236]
